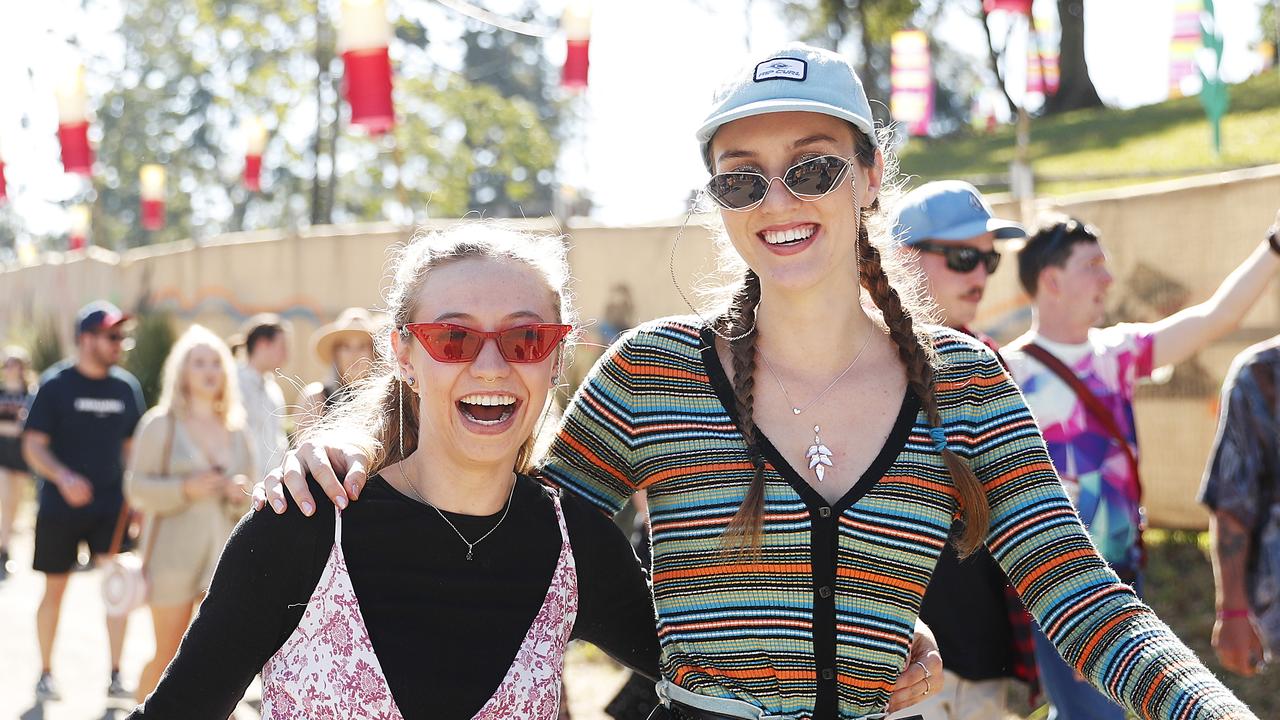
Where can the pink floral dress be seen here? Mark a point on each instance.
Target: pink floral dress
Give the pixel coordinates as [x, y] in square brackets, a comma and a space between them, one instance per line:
[327, 669]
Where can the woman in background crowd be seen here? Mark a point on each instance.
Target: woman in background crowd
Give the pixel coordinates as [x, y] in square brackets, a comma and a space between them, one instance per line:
[346, 347]
[188, 471]
[16, 390]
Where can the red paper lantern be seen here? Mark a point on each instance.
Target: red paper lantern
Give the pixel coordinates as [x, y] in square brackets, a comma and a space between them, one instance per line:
[4, 191]
[576, 23]
[151, 181]
[363, 36]
[255, 133]
[253, 173]
[1019, 7]
[577, 62]
[73, 122]
[81, 219]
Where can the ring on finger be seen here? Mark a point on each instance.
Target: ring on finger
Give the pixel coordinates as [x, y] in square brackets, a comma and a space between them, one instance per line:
[927, 674]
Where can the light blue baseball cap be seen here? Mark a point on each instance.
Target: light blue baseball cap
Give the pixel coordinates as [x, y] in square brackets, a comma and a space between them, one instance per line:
[793, 78]
[948, 210]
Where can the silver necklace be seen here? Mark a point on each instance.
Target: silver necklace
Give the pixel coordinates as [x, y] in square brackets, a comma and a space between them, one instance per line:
[819, 454]
[470, 545]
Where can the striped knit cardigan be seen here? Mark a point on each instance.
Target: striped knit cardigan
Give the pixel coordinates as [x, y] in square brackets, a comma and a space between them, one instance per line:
[818, 625]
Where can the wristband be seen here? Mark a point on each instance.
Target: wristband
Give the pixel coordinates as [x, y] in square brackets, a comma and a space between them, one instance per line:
[1233, 614]
[1273, 238]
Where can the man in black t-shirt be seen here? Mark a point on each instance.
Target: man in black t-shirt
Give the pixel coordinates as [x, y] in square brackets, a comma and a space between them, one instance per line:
[76, 440]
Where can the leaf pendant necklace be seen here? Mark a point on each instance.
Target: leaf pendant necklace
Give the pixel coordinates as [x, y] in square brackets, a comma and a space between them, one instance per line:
[818, 454]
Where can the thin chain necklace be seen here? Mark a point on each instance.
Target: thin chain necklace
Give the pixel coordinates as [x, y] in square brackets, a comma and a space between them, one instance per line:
[819, 454]
[470, 545]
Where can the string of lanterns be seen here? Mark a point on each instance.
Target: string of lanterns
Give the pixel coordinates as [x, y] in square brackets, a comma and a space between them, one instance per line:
[364, 38]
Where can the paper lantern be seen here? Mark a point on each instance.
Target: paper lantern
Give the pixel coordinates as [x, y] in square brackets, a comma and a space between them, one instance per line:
[4, 191]
[363, 36]
[576, 23]
[255, 143]
[1019, 7]
[151, 188]
[73, 122]
[81, 220]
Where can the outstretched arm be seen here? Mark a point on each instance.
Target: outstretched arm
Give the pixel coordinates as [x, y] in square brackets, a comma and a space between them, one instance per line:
[1184, 333]
[1096, 622]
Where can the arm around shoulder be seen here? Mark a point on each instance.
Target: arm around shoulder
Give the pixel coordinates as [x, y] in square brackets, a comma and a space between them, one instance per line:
[615, 603]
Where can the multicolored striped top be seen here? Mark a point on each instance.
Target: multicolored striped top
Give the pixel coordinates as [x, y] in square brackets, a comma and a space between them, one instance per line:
[819, 623]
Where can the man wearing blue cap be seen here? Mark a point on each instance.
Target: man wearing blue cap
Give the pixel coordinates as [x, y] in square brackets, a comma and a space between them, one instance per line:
[76, 439]
[982, 629]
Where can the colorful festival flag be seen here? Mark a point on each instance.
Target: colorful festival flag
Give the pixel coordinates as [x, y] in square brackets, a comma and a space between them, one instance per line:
[911, 102]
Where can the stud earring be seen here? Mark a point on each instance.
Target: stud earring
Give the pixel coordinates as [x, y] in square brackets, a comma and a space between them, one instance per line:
[410, 380]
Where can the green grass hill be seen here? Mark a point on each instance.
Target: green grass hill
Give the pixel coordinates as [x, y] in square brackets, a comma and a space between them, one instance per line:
[1071, 150]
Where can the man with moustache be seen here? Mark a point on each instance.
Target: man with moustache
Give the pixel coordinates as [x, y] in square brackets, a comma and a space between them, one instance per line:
[949, 233]
[1079, 381]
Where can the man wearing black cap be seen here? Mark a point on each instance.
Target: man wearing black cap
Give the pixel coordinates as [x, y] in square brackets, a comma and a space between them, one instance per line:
[76, 439]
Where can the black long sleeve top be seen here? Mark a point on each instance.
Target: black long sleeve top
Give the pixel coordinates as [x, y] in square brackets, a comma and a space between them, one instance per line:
[445, 629]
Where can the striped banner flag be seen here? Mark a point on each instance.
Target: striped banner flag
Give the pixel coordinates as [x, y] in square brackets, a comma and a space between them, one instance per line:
[1043, 74]
[1183, 47]
[911, 102]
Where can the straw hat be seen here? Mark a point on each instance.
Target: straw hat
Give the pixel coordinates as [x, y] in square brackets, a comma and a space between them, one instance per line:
[352, 321]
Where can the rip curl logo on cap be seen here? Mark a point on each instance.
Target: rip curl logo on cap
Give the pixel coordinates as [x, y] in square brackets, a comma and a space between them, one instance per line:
[976, 204]
[782, 69]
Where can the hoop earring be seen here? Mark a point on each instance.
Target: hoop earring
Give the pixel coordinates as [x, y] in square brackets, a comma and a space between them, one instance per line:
[400, 415]
[671, 267]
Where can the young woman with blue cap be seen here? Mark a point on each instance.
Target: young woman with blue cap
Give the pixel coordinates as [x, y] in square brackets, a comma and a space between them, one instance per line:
[807, 458]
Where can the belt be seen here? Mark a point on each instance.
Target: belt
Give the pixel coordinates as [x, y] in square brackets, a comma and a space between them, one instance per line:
[682, 704]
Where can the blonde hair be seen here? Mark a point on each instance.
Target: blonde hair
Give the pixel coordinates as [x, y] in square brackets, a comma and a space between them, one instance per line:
[174, 396]
[380, 416]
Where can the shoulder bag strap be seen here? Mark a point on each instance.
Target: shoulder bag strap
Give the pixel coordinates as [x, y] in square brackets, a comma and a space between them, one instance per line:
[1091, 402]
[165, 468]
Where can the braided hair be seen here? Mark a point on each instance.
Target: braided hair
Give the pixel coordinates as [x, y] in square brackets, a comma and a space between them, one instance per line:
[915, 350]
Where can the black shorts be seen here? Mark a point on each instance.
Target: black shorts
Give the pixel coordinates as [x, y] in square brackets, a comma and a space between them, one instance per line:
[11, 454]
[59, 534]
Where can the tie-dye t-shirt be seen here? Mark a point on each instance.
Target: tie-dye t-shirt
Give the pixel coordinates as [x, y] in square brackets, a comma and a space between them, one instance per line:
[1093, 467]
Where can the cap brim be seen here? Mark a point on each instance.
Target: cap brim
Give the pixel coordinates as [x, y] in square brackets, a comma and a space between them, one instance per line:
[117, 322]
[762, 107]
[1002, 229]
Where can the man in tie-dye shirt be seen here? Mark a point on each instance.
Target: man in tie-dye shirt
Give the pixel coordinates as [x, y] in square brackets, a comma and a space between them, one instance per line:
[1063, 267]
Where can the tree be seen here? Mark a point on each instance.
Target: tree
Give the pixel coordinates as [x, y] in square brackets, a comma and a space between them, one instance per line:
[514, 67]
[830, 23]
[180, 95]
[1075, 89]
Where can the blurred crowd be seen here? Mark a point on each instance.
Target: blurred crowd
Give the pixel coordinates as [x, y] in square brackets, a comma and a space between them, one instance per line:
[152, 492]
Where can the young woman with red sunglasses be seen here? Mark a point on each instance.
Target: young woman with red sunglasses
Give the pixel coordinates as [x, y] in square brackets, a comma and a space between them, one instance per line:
[452, 588]
[806, 459]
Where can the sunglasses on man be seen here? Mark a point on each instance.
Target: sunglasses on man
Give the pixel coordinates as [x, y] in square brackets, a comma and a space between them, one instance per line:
[810, 180]
[962, 258]
[450, 343]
